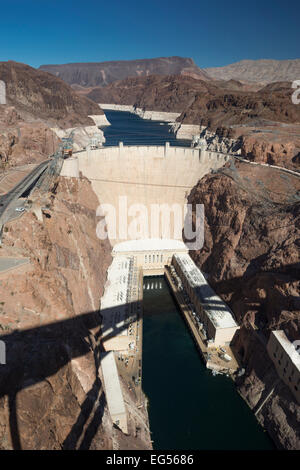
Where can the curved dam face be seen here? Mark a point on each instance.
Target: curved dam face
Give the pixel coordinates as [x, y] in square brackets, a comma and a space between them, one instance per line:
[143, 175]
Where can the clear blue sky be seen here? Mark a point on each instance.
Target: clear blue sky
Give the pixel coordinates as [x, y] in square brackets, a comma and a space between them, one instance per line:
[211, 32]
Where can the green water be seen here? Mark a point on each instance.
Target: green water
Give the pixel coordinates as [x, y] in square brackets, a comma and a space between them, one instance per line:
[189, 408]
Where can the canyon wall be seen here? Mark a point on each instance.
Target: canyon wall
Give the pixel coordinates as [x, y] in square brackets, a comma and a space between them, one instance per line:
[37, 102]
[144, 114]
[52, 394]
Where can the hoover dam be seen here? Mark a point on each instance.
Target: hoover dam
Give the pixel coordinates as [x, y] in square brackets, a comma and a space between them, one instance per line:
[144, 175]
[124, 178]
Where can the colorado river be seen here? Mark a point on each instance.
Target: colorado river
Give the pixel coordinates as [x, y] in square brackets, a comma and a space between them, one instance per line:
[189, 408]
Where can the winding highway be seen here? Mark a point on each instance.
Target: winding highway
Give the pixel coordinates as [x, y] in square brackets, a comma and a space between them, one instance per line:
[7, 199]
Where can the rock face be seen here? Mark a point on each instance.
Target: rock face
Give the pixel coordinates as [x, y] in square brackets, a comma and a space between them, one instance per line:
[211, 104]
[280, 150]
[103, 73]
[251, 256]
[51, 389]
[39, 95]
[161, 93]
[258, 70]
[22, 142]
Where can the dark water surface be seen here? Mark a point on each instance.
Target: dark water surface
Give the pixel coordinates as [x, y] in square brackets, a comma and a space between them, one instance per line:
[189, 408]
[132, 130]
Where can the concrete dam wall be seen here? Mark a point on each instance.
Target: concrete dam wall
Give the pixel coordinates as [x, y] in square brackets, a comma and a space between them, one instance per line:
[143, 175]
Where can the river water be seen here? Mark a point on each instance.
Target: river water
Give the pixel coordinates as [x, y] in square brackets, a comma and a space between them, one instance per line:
[189, 408]
[132, 130]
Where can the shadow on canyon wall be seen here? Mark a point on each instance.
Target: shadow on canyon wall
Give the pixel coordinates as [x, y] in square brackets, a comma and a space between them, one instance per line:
[34, 354]
[284, 274]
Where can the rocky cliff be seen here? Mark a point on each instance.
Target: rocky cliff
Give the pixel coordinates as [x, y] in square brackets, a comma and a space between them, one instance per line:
[103, 73]
[264, 70]
[251, 257]
[39, 95]
[22, 142]
[263, 123]
[51, 387]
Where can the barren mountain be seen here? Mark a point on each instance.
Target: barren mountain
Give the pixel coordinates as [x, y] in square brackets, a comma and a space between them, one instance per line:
[264, 70]
[37, 101]
[102, 73]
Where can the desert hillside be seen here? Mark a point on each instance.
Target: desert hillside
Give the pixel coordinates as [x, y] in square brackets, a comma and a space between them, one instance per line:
[251, 256]
[36, 102]
[92, 74]
[265, 70]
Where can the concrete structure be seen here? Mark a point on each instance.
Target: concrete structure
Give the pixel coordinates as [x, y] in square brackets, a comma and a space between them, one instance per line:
[113, 392]
[121, 328]
[151, 115]
[81, 135]
[152, 255]
[217, 359]
[115, 303]
[70, 168]
[147, 175]
[286, 360]
[2, 92]
[215, 316]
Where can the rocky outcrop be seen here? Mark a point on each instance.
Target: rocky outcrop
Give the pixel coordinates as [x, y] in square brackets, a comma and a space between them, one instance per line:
[281, 151]
[251, 257]
[39, 95]
[103, 73]
[21, 142]
[51, 388]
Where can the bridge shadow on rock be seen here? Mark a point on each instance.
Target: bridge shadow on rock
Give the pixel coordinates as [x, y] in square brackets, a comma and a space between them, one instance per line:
[282, 275]
[34, 354]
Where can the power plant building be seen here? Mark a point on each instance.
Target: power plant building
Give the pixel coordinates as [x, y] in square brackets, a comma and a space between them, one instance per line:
[286, 360]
